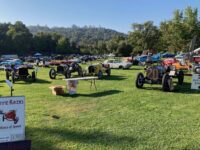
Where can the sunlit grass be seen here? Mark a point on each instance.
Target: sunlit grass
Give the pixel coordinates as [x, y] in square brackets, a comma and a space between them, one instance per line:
[116, 116]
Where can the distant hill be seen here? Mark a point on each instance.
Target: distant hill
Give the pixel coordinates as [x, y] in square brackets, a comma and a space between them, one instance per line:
[79, 35]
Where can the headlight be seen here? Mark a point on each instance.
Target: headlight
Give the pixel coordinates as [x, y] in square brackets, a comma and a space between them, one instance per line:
[197, 70]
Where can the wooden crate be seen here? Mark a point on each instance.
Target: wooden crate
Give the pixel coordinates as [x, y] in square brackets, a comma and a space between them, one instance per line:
[57, 89]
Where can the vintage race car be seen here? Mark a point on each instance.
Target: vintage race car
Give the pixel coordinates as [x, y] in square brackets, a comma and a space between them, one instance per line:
[20, 73]
[98, 70]
[159, 75]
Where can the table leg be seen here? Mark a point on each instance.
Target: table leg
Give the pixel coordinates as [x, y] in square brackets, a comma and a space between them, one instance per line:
[93, 83]
[90, 84]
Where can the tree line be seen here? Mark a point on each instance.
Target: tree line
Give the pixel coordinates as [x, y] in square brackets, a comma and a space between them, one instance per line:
[17, 39]
[173, 35]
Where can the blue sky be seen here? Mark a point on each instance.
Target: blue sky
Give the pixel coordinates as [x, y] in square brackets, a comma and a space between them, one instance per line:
[114, 14]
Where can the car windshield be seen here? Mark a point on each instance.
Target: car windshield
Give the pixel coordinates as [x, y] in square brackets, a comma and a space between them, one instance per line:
[118, 61]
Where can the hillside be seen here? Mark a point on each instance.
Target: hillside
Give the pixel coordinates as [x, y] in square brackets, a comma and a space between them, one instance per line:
[87, 34]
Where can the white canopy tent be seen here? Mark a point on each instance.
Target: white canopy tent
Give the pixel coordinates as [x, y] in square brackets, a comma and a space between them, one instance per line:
[37, 54]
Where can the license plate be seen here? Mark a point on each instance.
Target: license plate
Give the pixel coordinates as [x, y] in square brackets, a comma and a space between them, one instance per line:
[172, 73]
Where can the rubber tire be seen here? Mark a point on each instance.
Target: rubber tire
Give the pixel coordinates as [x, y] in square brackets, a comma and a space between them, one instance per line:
[33, 76]
[108, 72]
[3, 118]
[68, 74]
[165, 83]
[100, 74]
[121, 67]
[180, 77]
[7, 75]
[138, 83]
[80, 72]
[51, 75]
[13, 77]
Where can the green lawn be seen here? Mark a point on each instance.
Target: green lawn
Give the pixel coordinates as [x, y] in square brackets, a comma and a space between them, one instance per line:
[116, 116]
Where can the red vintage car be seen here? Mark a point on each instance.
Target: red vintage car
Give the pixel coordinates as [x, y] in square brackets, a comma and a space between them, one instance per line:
[176, 64]
[169, 61]
[10, 116]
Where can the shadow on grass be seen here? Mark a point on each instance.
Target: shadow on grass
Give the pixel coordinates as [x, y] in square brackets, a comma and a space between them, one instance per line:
[99, 94]
[185, 88]
[135, 68]
[152, 88]
[28, 81]
[3, 81]
[113, 77]
[78, 136]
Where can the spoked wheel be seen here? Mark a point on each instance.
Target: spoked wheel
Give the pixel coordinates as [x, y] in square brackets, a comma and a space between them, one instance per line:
[100, 74]
[80, 72]
[13, 77]
[139, 80]
[68, 74]
[33, 76]
[52, 73]
[167, 83]
[7, 75]
[16, 120]
[108, 72]
[180, 77]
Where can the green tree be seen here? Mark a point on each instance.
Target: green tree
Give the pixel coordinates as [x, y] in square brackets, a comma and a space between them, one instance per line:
[124, 49]
[20, 37]
[63, 46]
[144, 36]
[44, 43]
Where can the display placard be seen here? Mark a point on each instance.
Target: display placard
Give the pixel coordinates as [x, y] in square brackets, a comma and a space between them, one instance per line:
[12, 119]
[195, 82]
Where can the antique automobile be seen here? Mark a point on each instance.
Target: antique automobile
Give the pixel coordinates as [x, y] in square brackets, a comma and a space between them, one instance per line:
[143, 58]
[66, 70]
[196, 64]
[117, 64]
[168, 55]
[10, 116]
[60, 70]
[177, 64]
[74, 67]
[59, 62]
[159, 75]
[98, 70]
[20, 73]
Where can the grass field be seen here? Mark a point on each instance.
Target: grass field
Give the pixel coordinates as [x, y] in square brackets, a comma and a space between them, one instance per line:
[116, 116]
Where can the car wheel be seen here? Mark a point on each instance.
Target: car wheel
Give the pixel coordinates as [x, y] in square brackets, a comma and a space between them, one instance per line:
[52, 74]
[167, 84]
[180, 77]
[80, 72]
[7, 75]
[13, 77]
[108, 72]
[121, 67]
[33, 76]
[68, 74]
[139, 80]
[100, 74]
